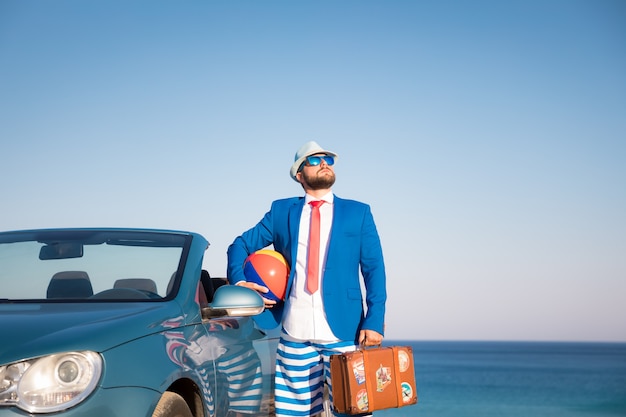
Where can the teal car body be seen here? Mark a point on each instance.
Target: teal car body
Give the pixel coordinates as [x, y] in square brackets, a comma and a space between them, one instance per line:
[125, 322]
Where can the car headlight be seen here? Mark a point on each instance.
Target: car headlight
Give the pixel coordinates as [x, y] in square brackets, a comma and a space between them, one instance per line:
[50, 383]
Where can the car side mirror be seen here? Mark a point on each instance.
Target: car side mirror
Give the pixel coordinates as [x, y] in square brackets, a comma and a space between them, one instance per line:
[234, 300]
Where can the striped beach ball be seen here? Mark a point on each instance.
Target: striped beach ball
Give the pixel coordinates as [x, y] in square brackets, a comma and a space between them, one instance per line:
[268, 268]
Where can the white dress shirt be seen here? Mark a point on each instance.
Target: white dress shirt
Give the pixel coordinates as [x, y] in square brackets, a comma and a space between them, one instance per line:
[304, 316]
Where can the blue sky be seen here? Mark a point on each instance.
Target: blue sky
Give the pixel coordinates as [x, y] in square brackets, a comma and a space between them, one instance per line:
[489, 138]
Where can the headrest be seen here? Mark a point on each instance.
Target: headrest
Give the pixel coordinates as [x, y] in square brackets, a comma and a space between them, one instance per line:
[70, 284]
[145, 284]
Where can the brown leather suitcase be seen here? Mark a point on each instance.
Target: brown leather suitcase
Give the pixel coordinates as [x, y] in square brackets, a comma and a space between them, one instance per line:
[373, 379]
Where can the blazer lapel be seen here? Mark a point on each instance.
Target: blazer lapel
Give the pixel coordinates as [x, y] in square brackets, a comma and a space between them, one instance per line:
[338, 219]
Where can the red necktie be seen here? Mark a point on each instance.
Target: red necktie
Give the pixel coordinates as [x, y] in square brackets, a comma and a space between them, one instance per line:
[313, 260]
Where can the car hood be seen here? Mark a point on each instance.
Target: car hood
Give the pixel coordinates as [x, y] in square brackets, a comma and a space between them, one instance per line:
[31, 330]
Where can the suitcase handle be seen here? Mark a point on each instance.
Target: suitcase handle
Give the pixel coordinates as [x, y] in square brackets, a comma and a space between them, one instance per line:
[363, 347]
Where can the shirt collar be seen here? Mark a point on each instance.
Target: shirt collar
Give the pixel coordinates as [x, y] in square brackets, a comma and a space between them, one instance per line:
[328, 198]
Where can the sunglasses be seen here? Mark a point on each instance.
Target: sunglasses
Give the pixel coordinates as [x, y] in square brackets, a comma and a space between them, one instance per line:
[313, 161]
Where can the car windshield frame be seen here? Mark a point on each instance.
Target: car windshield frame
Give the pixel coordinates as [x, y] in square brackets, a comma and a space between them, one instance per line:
[91, 265]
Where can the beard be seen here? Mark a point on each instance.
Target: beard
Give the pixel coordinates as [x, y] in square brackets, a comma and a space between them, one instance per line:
[319, 181]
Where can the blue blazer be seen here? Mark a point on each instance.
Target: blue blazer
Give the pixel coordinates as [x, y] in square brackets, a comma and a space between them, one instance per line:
[354, 245]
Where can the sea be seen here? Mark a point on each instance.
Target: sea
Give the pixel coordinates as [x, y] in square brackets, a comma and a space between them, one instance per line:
[516, 379]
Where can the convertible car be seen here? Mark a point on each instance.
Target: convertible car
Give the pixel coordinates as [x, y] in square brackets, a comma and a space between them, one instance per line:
[125, 322]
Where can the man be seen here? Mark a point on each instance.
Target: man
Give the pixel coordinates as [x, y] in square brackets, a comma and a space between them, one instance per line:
[326, 240]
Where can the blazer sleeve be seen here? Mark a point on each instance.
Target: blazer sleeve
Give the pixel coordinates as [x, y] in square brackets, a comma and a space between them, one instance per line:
[258, 237]
[374, 276]
[273, 229]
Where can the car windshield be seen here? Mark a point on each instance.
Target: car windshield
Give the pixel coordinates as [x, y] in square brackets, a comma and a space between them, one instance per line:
[94, 265]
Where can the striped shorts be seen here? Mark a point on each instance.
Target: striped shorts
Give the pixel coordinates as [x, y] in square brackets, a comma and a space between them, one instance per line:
[302, 370]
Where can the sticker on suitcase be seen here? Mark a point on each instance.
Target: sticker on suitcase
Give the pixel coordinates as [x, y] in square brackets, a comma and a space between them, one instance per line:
[359, 371]
[403, 360]
[407, 393]
[361, 400]
[383, 378]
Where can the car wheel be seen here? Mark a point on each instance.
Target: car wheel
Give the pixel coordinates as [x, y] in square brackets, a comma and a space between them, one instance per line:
[172, 405]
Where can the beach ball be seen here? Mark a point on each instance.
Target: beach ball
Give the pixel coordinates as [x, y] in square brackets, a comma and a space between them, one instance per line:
[268, 268]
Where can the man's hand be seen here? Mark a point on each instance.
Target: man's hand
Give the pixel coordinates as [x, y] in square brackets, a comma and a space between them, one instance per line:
[261, 290]
[370, 338]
